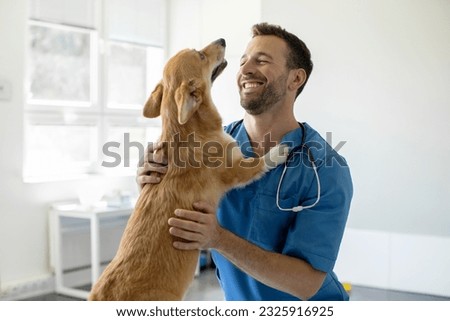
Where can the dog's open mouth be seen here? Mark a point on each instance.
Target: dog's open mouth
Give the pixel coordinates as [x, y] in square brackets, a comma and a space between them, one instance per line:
[218, 70]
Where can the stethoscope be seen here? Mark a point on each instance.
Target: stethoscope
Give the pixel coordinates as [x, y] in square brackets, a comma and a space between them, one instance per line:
[296, 149]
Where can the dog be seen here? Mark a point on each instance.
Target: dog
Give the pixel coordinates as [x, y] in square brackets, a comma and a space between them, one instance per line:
[203, 163]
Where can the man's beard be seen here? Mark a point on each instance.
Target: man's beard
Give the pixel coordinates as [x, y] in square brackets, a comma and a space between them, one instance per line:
[270, 96]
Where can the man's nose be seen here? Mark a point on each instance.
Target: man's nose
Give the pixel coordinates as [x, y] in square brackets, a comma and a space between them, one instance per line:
[247, 68]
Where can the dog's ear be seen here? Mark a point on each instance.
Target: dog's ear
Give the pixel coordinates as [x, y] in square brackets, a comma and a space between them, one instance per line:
[188, 98]
[152, 107]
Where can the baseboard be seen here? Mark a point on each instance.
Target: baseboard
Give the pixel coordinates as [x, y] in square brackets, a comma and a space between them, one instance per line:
[27, 288]
[395, 261]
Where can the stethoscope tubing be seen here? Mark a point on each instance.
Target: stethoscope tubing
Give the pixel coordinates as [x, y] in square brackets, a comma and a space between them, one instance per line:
[291, 154]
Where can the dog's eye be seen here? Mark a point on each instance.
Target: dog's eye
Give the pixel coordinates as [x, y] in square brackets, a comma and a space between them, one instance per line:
[202, 55]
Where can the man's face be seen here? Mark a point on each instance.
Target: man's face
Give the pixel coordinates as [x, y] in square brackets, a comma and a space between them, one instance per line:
[262, 77]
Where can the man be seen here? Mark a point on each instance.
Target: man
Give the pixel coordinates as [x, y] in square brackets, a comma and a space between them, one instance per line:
[277, 238]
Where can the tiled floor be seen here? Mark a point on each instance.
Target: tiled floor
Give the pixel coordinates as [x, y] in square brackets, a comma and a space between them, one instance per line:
[206, 288]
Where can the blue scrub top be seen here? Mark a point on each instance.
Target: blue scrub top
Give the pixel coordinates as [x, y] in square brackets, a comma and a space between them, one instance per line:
[313, 235]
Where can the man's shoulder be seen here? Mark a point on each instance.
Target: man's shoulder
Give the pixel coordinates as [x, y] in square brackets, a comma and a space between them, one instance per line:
[230, 128]
[332, 166]
[322, 150]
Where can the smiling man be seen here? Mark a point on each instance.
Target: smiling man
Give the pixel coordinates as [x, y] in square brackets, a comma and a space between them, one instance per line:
[277, 238]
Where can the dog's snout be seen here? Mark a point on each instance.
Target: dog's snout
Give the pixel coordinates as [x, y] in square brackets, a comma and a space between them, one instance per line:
[221, 42]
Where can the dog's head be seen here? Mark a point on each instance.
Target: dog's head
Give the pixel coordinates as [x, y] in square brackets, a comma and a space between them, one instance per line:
[187, 78]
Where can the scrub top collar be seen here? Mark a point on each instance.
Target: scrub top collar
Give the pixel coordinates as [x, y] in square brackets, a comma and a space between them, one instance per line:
[292, 139]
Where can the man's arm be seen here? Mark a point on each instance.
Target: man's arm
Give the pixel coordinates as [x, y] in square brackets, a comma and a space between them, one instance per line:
[201, 230]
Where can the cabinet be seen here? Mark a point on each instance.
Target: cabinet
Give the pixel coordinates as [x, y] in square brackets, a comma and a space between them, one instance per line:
[94, 215]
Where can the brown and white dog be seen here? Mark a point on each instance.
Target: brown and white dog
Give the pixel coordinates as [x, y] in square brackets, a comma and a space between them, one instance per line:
[203, 163]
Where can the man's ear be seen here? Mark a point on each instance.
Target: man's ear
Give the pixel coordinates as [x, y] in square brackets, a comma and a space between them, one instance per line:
[188, 98]
[152, 107]
[298, 78]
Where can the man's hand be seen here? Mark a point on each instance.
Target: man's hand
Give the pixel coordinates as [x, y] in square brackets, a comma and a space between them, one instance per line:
[152, 166]
[199, 228]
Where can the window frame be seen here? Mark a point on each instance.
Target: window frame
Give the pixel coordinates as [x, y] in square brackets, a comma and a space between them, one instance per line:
[96, 111]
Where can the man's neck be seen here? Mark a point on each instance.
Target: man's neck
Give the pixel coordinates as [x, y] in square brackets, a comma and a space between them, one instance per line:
[267, 130]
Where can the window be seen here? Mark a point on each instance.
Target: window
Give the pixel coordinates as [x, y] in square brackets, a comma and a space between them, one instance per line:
[61, 65]
[91, 65]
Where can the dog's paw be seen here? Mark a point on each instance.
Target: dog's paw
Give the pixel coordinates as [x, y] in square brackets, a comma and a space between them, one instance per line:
[276, 156]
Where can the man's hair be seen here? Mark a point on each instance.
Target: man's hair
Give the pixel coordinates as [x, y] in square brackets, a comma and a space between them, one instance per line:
[299, 55]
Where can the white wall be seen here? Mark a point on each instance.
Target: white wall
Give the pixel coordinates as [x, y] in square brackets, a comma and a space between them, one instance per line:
[380, 83]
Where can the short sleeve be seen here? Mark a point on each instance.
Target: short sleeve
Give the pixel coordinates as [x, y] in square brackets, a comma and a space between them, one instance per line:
[316, 233]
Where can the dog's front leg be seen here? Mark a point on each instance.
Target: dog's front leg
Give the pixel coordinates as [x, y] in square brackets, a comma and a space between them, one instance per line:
[276, 156]
[245, 170]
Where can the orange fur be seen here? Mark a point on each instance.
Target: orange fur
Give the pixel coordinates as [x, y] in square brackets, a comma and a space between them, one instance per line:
[147, 266]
